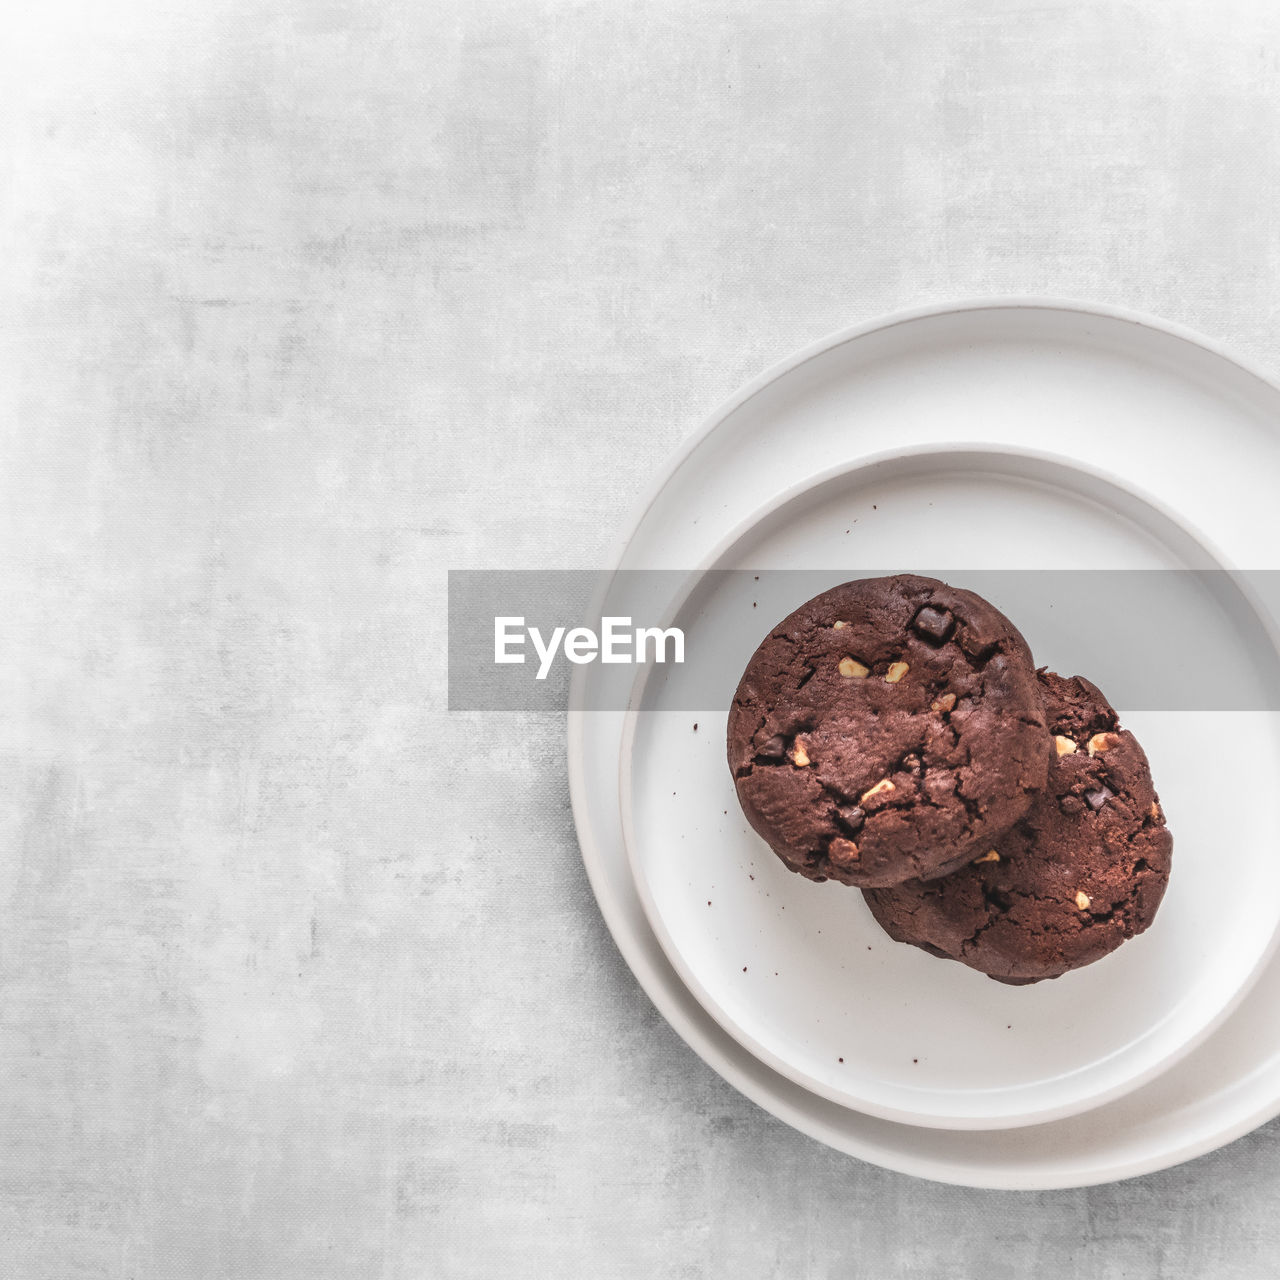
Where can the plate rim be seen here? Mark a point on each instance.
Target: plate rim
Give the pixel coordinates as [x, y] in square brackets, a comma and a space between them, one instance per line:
[951, 1170]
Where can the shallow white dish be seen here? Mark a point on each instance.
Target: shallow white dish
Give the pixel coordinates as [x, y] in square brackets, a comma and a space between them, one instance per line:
[971, 374]
[799, 973]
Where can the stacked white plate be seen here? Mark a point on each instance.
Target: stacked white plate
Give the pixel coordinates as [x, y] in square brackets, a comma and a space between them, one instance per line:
[971, 439]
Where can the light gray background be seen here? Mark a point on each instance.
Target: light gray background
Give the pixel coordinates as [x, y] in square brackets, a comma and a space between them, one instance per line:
[301, 305]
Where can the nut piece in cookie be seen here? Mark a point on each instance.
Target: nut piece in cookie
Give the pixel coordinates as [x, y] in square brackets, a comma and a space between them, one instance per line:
[885, 784]
[842, 852]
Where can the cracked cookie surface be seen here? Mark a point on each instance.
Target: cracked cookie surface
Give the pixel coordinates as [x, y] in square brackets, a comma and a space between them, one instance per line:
[887, 729]
[1085, 870]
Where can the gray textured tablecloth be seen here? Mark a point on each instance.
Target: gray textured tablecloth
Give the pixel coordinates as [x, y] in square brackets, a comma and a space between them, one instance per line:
[304, 304]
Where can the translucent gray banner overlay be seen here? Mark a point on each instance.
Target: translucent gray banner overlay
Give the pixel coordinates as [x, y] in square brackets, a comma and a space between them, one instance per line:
[1153, 640]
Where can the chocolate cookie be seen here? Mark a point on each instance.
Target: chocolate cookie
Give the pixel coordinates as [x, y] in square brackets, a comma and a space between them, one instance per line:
[1083, 871]
[887, 729]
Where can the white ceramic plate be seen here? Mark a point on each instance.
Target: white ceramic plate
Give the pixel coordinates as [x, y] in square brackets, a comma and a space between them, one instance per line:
[800, 974]
[978, 375]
